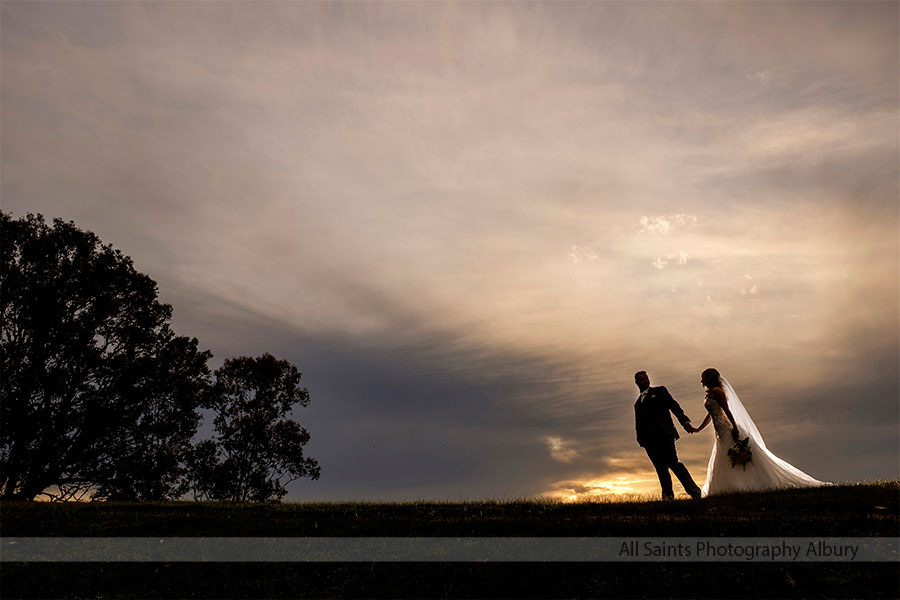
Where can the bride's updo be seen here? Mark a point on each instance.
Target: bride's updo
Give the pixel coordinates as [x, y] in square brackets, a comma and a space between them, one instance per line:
[711, 378]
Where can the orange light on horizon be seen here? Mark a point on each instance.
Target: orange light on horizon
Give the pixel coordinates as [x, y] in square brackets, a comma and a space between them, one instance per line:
[622, 486]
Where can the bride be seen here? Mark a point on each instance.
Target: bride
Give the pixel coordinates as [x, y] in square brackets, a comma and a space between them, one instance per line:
[765, 471]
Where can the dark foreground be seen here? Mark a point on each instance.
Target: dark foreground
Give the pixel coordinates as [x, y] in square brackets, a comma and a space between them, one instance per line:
[846, 511]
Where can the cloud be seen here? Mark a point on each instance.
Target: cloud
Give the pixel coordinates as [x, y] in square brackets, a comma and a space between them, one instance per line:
[400, 189]
[560, 448]
[676, 260]
[665, 224]
[582, 253]
[761, 77]
[632, 484]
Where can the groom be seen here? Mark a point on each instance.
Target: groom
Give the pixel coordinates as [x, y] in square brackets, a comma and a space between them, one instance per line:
[656, 434]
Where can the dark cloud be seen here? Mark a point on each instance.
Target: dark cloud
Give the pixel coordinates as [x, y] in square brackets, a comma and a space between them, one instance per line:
[390, 196]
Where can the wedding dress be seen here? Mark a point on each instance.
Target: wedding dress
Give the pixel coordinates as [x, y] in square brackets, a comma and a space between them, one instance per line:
[765, 471]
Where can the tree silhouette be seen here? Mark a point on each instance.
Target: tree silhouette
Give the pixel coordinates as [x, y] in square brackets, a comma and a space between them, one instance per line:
[147, 459]
[256, 451]
[98, 393]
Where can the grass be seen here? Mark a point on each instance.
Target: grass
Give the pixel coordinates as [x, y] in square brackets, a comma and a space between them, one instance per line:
[870, 509]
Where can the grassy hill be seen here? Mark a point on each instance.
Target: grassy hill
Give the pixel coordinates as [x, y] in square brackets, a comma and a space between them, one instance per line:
[871, 509]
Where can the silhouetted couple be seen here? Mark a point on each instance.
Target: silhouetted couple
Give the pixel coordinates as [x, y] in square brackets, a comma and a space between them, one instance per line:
[760, 470]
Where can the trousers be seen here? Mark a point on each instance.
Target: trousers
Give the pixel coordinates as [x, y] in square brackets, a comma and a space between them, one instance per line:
[664, 457]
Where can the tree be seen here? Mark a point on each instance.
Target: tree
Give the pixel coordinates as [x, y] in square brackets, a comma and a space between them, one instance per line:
[98, 393]
[255, 451]
[148, 458]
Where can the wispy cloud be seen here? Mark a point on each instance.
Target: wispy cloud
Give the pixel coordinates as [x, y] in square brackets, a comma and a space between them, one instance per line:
[582, 253]
[637, 485]
[676, 260]
[761, 77]
[665, 224]
[560, 449]
[527, 203]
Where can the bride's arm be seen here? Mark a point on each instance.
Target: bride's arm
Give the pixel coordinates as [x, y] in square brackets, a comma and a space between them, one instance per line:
[705, 422]
[719, 395]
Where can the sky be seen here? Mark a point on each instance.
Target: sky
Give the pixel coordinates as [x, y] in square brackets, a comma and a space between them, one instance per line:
[469, 223]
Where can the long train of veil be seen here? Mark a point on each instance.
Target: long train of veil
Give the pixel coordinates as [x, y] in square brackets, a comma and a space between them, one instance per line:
[768, 472]
[742, 419]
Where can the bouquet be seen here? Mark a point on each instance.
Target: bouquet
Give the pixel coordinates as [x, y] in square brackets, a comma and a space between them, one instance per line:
[740, 453]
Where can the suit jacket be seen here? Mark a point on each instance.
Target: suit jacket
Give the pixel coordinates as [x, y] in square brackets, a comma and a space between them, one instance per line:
[652, 421]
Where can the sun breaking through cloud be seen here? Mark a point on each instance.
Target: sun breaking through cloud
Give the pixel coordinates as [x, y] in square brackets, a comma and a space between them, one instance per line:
[470, 223]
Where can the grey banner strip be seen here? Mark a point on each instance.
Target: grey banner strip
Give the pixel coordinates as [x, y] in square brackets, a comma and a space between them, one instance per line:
[448, 549]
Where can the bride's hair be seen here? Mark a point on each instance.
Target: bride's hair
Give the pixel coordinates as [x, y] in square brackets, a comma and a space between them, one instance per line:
[711, 375]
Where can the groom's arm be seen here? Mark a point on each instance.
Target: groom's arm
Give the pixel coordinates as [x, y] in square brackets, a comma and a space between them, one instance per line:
[637, 425]
[676, 410]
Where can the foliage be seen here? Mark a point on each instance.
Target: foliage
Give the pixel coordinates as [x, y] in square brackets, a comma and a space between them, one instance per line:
[99, 395]
[256, 450]
[147, 460]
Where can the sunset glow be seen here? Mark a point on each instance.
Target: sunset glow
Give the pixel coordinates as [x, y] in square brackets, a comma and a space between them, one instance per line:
[469, 223]
[615, 486]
